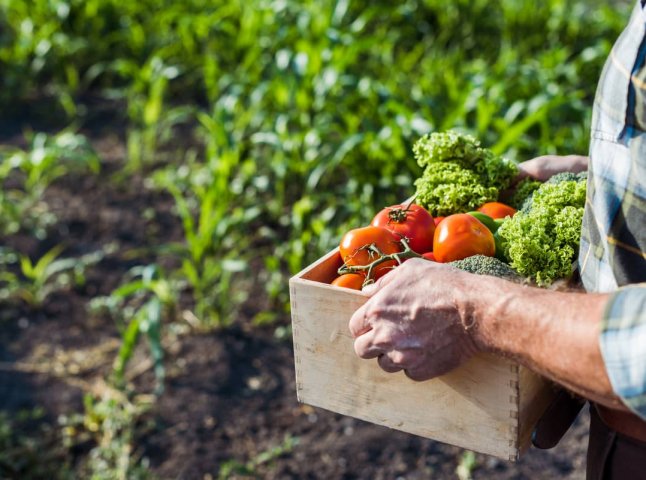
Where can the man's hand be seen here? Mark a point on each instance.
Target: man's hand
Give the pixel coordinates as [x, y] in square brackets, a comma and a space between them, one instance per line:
[542, 168]
[418, 319]
[428, 318]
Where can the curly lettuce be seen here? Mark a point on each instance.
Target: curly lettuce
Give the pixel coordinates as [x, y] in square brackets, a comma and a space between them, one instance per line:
[542, 240]
[459, 174]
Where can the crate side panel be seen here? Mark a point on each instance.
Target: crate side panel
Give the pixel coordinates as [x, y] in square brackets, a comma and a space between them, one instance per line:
[536, 393]
[314, 304]
[474, 407]
[323, 270]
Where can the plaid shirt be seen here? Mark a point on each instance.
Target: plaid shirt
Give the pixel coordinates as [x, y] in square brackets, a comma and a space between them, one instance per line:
[613, 244]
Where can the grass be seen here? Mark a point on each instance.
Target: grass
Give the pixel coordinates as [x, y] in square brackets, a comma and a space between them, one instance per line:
[273, 125]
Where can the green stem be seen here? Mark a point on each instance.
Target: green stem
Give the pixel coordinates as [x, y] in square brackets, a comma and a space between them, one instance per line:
[399, 215]
[399, 257]
[410, 203]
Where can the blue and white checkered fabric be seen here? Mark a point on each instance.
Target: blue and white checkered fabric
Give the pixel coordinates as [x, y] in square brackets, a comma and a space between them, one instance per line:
[613, 242]
[623, 345]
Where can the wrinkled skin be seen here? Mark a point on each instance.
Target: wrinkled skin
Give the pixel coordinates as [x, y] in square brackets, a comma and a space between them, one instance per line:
[427, 318]
[424, 335]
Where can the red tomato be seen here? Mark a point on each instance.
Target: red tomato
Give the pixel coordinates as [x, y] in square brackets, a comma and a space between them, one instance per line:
[354, 251]
[411, 222]
[497, 210]
[349, 280]
[429, 256]
[460, 236]
[437, 220]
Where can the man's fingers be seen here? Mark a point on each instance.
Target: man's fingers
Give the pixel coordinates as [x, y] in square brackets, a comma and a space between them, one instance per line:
[418, 375]
[359, 322]
[364, 346]
[387, 365]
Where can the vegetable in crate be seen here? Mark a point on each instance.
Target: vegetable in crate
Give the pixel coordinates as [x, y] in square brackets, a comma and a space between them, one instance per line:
[460, 236]
[459, 175]
[360, 248]
[353, 281]
[411, 222]
[497, 210]
[484, 265]
[542, 240]
[523, 191]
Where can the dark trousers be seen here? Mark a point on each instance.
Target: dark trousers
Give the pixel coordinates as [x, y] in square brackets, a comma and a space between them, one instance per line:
[613, 456]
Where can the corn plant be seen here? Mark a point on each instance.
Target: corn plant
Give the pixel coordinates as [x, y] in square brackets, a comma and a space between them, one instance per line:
[51, 157]
[151, 119]
[140, 307]
[33, 281]
[36, 47]
[26, 174]
[216, 225]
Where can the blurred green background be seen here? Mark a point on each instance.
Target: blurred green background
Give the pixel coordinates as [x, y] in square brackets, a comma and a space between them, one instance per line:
[266, 128]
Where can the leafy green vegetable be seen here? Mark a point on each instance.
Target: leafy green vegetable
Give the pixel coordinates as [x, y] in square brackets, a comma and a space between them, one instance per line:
[459, 174]
[542, 240]
[447, 188]
[524, 199]
[523, 191]
[484, 265]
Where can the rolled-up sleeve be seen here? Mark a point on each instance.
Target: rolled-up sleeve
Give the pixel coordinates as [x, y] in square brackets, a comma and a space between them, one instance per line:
[623, 345]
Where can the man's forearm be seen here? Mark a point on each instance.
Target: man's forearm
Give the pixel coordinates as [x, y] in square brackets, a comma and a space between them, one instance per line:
[426, 318]
[557, 337]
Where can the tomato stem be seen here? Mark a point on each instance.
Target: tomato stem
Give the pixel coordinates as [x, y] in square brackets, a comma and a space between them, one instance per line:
[399, 214]
[399, 257]
[410, 203]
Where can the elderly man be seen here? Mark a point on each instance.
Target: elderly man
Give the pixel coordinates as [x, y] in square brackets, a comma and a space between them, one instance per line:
[426, 318]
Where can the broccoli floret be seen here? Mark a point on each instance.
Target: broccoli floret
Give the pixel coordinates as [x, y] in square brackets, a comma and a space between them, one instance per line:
[523, 191]
[483, 265]
[459, 174]
[567, 177]
[542, 240]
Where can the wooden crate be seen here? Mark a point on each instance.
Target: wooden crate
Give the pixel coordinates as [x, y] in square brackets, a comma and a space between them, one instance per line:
[488, 405]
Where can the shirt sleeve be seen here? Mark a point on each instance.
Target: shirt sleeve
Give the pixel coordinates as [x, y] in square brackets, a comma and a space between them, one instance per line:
[623, 345]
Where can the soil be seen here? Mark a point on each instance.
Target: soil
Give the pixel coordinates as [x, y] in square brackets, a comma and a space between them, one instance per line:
[230, 394]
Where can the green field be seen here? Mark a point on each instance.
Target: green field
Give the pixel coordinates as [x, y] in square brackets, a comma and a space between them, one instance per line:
[167, 165]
